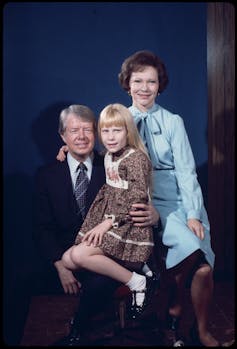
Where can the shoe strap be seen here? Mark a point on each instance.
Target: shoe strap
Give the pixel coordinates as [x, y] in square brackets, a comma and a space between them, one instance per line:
[134, 292]
[139, 291]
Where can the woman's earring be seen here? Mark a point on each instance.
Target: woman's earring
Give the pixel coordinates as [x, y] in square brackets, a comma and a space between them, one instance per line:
[129, 93]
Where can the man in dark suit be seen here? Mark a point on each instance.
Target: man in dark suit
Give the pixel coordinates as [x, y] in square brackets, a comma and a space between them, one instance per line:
[58, 219]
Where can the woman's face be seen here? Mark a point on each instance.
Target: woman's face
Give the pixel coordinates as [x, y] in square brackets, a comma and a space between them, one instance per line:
[144, 87]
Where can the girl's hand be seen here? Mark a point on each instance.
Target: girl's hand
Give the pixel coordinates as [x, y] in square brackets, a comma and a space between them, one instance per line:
[197, 228]
[94, 236]
[61, 154]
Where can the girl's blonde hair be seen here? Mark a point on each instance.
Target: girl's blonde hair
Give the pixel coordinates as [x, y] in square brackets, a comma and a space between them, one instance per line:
[118, 115]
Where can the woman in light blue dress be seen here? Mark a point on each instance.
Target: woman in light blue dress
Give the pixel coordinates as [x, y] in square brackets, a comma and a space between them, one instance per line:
[177, 194]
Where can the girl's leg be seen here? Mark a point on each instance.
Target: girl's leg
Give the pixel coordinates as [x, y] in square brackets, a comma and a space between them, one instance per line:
[201, 294]
[93, 259]
[67, 260]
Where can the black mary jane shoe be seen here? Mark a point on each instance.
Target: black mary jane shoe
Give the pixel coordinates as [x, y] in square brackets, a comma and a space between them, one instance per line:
[68, 341]
[172, 336]
[152, 283]
[73, 339]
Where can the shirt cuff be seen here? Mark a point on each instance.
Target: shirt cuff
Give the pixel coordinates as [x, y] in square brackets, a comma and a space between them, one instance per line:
[112, 216]
[194, 214]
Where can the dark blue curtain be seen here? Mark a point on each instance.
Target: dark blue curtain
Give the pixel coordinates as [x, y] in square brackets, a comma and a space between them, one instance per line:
[59, 53]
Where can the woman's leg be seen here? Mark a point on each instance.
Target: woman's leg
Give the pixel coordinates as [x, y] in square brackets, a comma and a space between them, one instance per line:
[180, 274]
[201, 294]
[201, 278]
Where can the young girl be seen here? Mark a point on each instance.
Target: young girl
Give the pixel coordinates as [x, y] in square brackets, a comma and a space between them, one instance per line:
[108, 238]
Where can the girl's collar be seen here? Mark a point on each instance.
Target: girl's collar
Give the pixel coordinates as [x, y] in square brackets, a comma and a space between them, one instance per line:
[119, 152]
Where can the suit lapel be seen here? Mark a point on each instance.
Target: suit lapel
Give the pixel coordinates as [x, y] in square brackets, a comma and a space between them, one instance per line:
[67, 193]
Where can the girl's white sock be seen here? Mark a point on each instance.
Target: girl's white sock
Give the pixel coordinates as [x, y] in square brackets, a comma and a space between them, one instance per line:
[147, 271]
[137, 283]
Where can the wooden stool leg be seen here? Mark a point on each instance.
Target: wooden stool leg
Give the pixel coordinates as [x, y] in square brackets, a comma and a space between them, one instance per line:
[122, 313]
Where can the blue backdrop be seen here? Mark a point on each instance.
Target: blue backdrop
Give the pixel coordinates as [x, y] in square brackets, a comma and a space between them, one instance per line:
[61, 53]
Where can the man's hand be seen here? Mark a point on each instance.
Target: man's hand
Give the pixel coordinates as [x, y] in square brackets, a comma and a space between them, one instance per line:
[69, 283]
[61, 156]
[144, 215]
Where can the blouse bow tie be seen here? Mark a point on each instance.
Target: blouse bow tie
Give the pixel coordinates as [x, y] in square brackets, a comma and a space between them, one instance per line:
[148, 127]
[150, 121]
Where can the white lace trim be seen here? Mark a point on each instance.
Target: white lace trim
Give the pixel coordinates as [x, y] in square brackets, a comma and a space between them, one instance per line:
[127, 241]
[112, 173]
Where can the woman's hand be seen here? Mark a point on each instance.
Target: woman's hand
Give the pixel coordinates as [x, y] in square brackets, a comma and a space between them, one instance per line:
[197, 228]
[144, 215]
[94, 236]
[62, 153]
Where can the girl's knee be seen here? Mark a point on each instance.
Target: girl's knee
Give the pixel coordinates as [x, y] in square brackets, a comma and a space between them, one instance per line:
[66, 259]
[78, 255]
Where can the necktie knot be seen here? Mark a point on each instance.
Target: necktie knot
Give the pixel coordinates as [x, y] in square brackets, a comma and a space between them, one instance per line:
[81, 167]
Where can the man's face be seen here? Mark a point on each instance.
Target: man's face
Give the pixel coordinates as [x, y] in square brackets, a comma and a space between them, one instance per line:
[79, 137]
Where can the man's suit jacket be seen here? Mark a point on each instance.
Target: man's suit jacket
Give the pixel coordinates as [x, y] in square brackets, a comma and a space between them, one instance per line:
[56, 221]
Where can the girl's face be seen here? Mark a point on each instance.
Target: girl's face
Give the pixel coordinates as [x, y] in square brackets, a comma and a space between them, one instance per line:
[114, 138]
[144, 87]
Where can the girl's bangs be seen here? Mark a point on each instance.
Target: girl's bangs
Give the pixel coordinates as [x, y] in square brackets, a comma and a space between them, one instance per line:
[112, 120]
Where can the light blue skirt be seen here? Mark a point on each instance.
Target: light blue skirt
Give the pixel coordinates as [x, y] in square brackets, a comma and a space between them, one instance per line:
[176, 235]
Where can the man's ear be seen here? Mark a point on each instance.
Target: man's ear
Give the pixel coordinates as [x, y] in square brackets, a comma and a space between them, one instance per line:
[63, 138]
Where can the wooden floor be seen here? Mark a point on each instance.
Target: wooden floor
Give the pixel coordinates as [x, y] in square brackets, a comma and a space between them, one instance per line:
[48, 321]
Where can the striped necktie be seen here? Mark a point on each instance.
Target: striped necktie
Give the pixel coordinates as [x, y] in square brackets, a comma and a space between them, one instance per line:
[81, 188]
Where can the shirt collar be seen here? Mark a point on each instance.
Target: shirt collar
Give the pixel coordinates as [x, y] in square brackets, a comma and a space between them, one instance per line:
[73, 164]
[135, 111]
